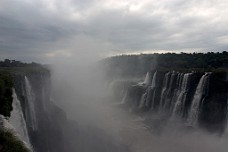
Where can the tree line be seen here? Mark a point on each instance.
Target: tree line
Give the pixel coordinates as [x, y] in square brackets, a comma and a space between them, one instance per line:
[138, 65]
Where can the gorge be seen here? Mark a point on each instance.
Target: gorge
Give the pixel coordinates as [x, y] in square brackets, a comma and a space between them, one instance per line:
[198, 99]
[116, 108]
[36, 121]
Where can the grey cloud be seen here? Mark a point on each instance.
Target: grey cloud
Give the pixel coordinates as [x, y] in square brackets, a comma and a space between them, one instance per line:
[30, 32]
[34, 29]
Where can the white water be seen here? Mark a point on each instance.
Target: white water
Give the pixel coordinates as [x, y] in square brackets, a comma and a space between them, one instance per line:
[165, 96]
[149, 96]
[31, 115]
[147, 79]
[180, 79]
[165, 87]
[142, 100]
[153, 88]
[177, 91]
[17, 120]
[200, 91]
[154, 80]
[181, 94]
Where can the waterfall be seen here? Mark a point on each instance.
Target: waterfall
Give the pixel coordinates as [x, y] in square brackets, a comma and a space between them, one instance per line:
[181, 95]
[154, 80]
[164, 89]
[142, 100]
[200, 92]
[152, 91]
[167, 93]
[148, 97]
[177, 90]
[179, 80]
[17, 120]
[30, 113]
[147, 79]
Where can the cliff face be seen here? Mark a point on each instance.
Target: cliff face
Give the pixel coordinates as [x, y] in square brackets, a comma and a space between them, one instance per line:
[214, 107]
[5, 94]
[44, 120]
[197, 98]
[42, 124]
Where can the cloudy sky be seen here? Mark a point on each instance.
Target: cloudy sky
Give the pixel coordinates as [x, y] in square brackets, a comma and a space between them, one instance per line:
[46, 30]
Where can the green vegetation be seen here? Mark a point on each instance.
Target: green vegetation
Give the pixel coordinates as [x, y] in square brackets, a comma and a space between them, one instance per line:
[6, 98]
[138, 65]
[11, 73]
[194, 60]
[19, 68]
[14, 63]
[10, 70]
[10, 143]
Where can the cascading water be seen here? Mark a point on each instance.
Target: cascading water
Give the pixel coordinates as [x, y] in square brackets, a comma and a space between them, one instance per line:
[185, 96]
[199, 95]
[152, 91]
[148, 97]
[181, 97]
[31, 113]
[17, 120]
[166, 98]
[154, 80]
[147, 79]
[177, 89]
[142, 100]
[165, 87]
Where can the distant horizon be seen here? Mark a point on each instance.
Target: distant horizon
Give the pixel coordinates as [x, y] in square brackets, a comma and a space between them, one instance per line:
[167, 51]
[123, 54]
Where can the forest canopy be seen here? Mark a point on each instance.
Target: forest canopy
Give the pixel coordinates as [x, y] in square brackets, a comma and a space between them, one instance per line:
[138, 65]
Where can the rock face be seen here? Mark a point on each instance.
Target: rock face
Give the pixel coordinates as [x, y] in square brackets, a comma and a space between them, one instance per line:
[44, 120]
[214, 106]
[199, 99]
[43, 126]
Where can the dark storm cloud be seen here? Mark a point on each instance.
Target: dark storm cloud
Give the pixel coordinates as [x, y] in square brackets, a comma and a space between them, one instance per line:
[56, 29]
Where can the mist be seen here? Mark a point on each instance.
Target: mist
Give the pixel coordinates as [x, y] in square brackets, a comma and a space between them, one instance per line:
[99, 53]
[85, 94]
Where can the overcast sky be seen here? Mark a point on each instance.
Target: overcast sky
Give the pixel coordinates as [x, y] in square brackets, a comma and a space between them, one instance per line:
[48, 30]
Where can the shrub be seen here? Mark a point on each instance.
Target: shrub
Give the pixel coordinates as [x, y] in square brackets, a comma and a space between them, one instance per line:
[11, 143]
[6, 99]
